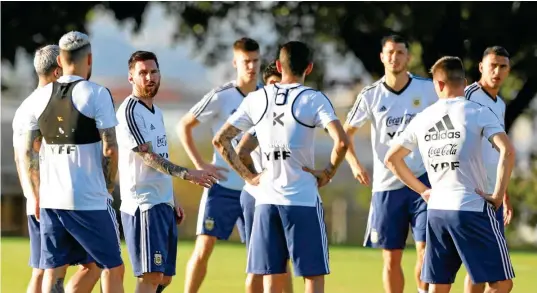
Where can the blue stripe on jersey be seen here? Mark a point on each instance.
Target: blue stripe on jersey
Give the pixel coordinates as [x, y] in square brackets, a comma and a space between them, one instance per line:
[420, 77]
[470, 90]
[131, 123]
[356, 105]
[208, 97]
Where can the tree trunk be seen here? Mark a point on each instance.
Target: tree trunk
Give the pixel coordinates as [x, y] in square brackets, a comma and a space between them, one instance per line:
[520, 102]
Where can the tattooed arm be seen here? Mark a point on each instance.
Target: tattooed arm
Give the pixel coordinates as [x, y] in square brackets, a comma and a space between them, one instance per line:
[245, 147]
[158, 163]
[31, 163]
[222, 142]
[110, 156]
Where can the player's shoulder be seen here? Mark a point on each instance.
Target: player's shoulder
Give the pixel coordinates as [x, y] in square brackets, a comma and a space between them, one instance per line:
[420, 79]
[130, 105]
[222, 89]
[472, 91]
[368, 91]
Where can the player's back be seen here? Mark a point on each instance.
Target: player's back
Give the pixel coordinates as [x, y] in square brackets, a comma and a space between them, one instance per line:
[447, 134]
[141, 185]
[69, 114]
[285, 127]
[476, 93]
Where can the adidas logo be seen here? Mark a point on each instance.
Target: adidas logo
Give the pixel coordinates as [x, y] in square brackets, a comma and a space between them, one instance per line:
[152, 127]
[382, 109]
[442, 129]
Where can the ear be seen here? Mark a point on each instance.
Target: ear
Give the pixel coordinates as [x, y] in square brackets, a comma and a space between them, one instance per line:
[441, 85]
[381, 56]
[481, 67]
[309, 69]
[279, 66]
[465, 82]
[90, 59]
[234, 63]
[59, 60]
[131, 81]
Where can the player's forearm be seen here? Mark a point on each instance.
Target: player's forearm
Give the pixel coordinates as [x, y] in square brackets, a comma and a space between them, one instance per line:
[187, 139]
[505, 167]
[350, 156]
[222, 143]
[110, 156]
[337, 156]
[400, 169]
[31, 162]
[244, 151]
[162, 165]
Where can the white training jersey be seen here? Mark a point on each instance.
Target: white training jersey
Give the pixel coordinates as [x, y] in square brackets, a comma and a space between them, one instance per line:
[215, 108]
[19, 140]
[284, 117]
[446, 135]
[72, 174]
[491, 156]
[389, 113]
[256, 159]
[141, 186]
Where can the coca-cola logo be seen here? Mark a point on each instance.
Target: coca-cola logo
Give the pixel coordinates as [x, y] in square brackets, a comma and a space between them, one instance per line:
[447, 150]
[396, 121]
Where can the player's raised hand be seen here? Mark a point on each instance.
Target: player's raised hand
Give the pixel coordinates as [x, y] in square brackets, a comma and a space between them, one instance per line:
[494, 199]
[321, 175]
[216, 170]
[360, 174]
[201, 177]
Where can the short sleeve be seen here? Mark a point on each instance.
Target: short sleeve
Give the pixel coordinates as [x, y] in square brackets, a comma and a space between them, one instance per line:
[489, 123]
[323, 109]
[252, 132]
[105, 114]
[409, 138]
[359, 113]
[207, 108]
[242, 118]
[134, 126]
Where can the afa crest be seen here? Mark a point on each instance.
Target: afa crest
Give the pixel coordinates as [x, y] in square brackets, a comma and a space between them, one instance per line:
[209, 224]
[374, 236]
[416, 102]
[158, 258]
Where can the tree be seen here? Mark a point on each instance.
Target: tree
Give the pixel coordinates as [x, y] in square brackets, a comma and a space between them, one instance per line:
[434, 29]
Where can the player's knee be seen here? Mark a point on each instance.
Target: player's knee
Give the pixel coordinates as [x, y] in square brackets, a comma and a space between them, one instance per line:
[500, 287]
[253, 280]
[38, 273]
[154, 278]
[392, 258]
[204, 247]
[115, 273]
[166, 281]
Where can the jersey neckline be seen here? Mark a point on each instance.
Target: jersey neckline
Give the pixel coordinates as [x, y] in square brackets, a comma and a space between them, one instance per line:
[399, 92]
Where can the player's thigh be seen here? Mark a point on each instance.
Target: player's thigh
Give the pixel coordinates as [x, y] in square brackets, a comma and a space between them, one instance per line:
[97, 232]
[389, 221]
[248, 209]
[482, 246]
[149, 236]
[441, 262]
[218, 213]
[267, 253]
[58, 247]
[417, 209]
[305, 231]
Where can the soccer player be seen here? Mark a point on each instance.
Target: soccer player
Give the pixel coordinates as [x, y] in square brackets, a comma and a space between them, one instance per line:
[149, 211]
[494, 68]
[48, 71]
[75, 120]
[461, 222]
[288, 218]
[220, 206]
[249, 152]
[390, 104]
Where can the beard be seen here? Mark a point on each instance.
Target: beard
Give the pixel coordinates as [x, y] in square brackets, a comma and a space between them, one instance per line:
[146, 92]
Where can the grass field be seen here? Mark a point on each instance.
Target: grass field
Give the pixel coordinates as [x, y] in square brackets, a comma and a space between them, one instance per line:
[354, 270]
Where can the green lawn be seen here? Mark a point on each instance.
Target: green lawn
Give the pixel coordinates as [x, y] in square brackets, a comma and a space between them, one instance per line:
[353, 270]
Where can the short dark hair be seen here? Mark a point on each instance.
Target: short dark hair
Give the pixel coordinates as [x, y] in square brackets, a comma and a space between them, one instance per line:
[395, 39]
[496, 50]
[269, 71]
[296, 56]
[142, 56]
[452, 68]
[246, 45]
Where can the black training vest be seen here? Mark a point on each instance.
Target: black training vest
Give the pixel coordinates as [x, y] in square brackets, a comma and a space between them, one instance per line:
[62, 123]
